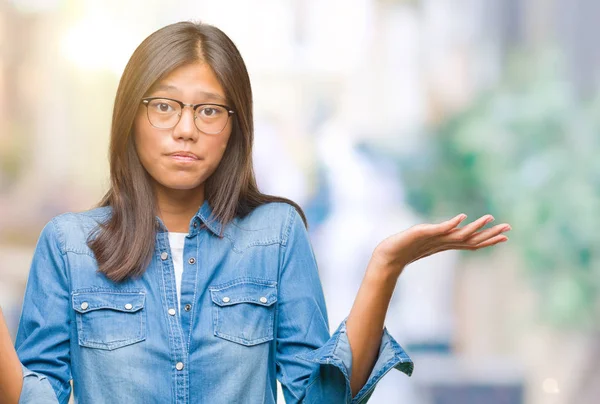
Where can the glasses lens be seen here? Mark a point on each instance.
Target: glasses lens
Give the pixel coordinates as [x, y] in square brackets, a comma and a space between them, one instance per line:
[163, 113]
[211, 119]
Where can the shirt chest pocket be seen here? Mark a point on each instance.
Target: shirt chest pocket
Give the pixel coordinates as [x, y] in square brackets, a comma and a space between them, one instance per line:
[244, 310]
[109, 320]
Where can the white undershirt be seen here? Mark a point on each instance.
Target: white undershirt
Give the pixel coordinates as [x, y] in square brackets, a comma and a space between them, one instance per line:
[176, 241]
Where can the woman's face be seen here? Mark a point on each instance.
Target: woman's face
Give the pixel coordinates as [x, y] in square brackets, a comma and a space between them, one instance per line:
[182, 157]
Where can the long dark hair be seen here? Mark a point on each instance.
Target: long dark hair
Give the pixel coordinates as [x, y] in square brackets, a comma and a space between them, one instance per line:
[124, 244]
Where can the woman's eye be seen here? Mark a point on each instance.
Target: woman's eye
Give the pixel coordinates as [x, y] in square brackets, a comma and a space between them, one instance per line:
[163, 107]
[211, 112]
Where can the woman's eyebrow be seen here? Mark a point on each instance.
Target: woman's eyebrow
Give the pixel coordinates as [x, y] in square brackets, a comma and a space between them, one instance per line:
[211, 96]
[200, 94]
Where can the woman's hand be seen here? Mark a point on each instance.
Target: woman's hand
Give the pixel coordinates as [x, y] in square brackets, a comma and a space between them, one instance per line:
[11, 376]
[397, 251]
[365, 322]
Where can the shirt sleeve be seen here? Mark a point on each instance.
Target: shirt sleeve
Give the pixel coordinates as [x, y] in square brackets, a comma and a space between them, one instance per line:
[36, 389]
[313, 367]
[42, 342]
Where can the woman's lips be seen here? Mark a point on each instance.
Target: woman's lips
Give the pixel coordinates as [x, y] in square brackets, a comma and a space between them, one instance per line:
[184, 156]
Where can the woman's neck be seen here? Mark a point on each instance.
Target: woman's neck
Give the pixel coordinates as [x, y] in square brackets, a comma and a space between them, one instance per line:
[177, 207]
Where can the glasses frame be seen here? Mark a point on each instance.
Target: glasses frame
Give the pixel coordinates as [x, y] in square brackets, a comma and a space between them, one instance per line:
[146, 102]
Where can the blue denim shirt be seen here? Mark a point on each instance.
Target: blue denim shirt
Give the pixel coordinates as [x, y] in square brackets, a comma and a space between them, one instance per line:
[252, 312]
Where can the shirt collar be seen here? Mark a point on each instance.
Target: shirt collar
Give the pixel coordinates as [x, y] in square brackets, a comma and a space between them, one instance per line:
[203, 215]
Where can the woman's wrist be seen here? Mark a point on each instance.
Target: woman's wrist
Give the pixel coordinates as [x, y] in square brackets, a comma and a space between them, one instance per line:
[383, 269]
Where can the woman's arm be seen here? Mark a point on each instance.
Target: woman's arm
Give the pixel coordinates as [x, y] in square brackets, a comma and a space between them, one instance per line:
[312, 365]
[42, 342]
[364, 325]
[11, 376]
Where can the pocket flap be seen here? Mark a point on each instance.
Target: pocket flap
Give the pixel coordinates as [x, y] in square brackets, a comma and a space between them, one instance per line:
[128, 302]
[255, 291]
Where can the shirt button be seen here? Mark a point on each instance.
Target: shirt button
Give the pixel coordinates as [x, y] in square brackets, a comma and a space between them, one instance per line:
[226, 299]
[187, 307]
[179, 366]
[172, 312]
[164, 256]
[195, 224]
[128, 306]
[263, 299]
[84, 305]
[192, 261]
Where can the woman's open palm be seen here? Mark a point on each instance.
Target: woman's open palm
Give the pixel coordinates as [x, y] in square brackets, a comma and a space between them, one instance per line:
[423, 240]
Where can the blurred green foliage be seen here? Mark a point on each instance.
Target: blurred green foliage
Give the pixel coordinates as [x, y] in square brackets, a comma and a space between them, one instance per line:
[11, 148]
[528, 151]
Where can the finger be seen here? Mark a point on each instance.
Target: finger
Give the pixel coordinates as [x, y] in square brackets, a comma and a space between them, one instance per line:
[426, 231]
[490, 242]
[468, 230]
[487, 234]
[450, 225]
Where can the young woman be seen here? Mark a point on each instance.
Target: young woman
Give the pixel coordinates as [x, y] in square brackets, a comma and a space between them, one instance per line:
[188, 285]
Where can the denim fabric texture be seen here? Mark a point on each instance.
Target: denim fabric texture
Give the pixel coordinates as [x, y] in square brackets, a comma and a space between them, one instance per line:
[255, 313]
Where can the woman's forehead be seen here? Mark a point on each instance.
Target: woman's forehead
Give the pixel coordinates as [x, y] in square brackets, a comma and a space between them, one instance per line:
[195, 80]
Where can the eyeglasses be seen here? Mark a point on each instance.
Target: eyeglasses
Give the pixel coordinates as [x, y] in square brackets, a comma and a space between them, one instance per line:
[165, 113]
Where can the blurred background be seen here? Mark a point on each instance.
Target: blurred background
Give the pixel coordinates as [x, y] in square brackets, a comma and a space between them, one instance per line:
[374, 115]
